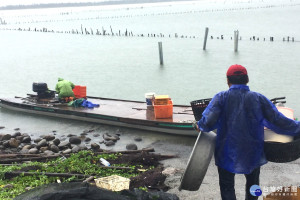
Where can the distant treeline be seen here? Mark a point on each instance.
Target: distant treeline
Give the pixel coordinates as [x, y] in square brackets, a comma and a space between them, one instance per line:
[81, 4]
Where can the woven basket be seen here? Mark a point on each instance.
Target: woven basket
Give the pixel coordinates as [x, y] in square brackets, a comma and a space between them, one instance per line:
[282, 152]
[198, 107]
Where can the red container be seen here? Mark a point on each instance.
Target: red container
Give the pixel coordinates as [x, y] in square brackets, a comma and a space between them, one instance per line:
[79, 91]
[163, 111]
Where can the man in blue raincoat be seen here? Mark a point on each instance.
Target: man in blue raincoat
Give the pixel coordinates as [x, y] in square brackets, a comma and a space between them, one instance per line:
[240, 115]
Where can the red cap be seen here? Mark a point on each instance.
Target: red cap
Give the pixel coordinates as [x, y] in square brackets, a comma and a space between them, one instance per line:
[236, 70]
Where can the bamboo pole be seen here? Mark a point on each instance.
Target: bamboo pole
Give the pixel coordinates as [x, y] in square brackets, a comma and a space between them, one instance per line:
[9, 174]
[205, 38]
[161, 58]
[127, 152]
[236, 39]
[6, 161]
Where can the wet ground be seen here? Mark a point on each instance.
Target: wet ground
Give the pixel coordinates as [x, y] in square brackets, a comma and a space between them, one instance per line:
[272, 175]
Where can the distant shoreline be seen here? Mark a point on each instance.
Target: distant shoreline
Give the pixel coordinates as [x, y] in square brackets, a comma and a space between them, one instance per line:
[83, 4]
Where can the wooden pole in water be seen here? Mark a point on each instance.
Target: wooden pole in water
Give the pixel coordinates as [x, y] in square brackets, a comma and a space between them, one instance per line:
[205, 38]
[236, 39]
[161, 59]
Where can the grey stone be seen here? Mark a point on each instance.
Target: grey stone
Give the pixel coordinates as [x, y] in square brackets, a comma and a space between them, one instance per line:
[64, 145]
[20, 147]
[5, 137]
[25, 135]
[6, 144]
[43, 149]
[42, 143]
[101, 142]
[16, 134]
[74, 140]
[2, 127]
[49, 137]
[87, 139]
[83, 133]
[70, 135]
[24, 151]
[82, 137]
[56, 141]
[75, 149]
[96, 134]
[110, 143]
[8, 186]
[54, 148]
[131, 146]
[67, 151]
[26, 140]
[37, 140]
[137, 139]
[16, 129]
[33, 151]
[116, 136]
[109, 137]
[14, 143]
[27, 147]
[20, 138]
[83, 147]
[95, 146]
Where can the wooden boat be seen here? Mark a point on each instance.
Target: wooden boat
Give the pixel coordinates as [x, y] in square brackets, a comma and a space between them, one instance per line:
[116, 112]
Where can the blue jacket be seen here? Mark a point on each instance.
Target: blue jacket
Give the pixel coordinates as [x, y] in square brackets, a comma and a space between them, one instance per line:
[239, 115]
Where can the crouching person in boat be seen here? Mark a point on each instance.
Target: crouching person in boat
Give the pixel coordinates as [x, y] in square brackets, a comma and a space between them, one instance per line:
[64, 89]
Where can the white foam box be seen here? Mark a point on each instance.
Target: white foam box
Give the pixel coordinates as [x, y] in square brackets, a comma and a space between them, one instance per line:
[113, 183]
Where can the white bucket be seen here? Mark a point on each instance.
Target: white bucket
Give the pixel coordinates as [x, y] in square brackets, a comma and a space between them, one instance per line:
[149, 96]
[271, 136]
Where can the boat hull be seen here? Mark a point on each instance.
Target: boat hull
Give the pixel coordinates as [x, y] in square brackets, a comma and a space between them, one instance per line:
[87, 115]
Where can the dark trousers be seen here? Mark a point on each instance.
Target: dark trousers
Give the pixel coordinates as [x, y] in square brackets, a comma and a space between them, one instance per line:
[226, 181]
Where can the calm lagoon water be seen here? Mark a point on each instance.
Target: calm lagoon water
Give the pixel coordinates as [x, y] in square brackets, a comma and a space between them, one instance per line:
[127, 67]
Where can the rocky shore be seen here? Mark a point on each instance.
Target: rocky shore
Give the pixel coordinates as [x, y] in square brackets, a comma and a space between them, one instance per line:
[51, 144]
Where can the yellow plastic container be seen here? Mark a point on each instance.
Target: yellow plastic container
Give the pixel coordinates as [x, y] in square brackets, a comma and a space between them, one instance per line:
[161, 99]
[113, 183]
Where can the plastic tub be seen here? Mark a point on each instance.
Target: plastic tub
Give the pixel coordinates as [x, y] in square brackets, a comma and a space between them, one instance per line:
[198, 106]
[281, 148]
[163, 111]
[271, 136]
[79, 91]
[161, 100]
